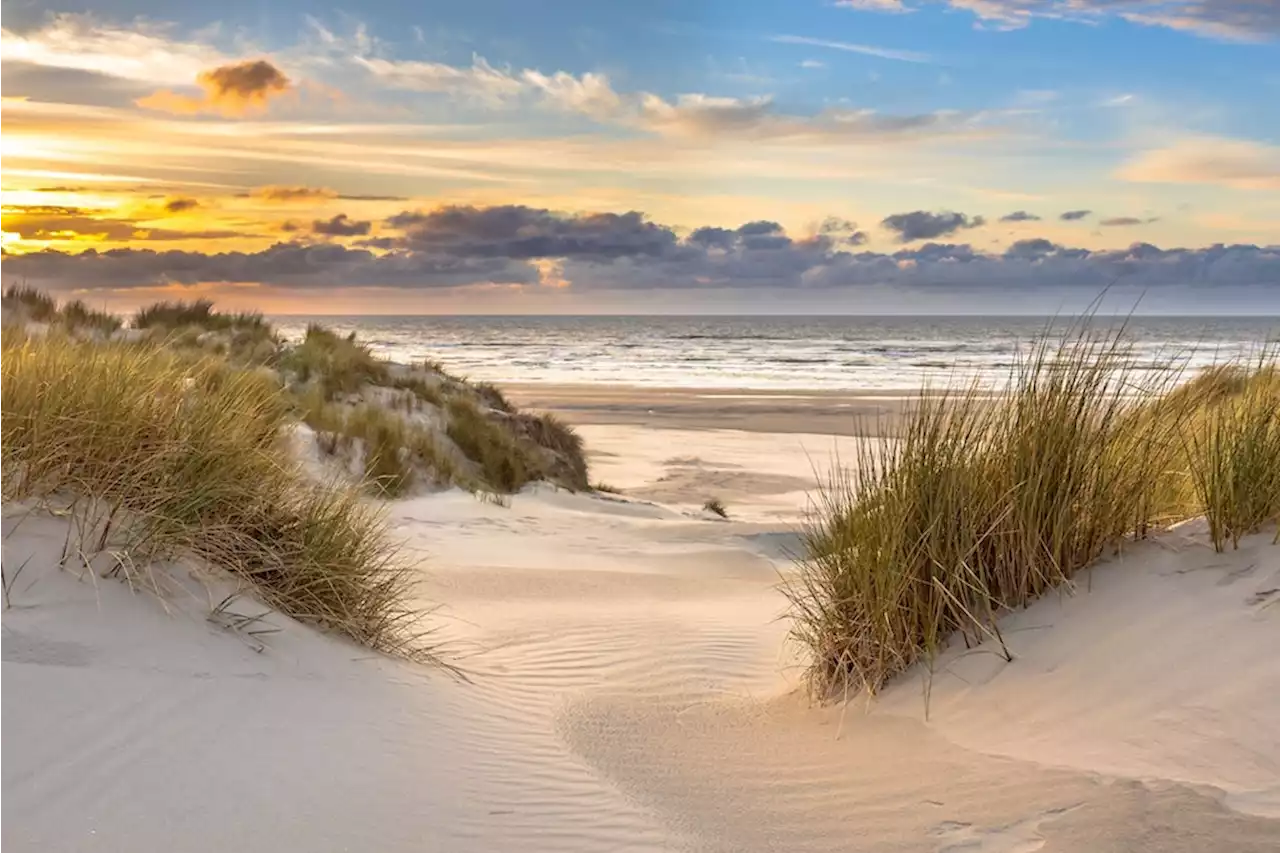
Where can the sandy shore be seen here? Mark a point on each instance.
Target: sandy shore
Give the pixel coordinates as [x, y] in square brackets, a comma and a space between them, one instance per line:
[820, 412]
[632, 689]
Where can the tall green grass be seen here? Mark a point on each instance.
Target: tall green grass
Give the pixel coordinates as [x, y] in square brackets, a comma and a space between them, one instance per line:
[159, 454]
[974, 503]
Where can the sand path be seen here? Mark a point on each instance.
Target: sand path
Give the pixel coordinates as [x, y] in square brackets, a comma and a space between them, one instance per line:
[632, 690]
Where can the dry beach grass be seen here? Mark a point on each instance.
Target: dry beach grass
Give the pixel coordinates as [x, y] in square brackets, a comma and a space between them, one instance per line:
[157, 456]
[979, 505]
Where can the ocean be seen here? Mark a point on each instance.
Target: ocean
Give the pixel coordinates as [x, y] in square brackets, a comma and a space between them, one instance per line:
[846, 353]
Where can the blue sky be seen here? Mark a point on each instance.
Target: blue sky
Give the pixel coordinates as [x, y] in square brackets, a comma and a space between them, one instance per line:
[866, 133]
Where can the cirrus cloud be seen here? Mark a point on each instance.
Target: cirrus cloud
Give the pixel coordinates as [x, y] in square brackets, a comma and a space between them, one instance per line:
[1237, 20]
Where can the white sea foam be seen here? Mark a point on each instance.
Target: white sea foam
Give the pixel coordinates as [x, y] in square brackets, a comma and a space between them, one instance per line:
[862, 353]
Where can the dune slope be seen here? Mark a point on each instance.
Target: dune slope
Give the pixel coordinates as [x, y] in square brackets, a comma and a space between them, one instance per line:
[632, 690]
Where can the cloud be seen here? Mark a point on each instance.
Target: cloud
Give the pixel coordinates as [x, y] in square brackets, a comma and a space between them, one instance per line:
[591, 94]
[812, 64]
[758, 119]
[922, 225]
[893, 6]
[841, 231]
[480, 80]
[1237, 20]
[1235, 163]
[849, 47]
[305, 266]
[142, 51]
[286, 194]
[512, 245]
[341, 226]
[52, 222]
[520, 232]
[231, 90]
[1074, 215]
[1019, 216]
[687, 116]
[180, 204]
[1124, 221]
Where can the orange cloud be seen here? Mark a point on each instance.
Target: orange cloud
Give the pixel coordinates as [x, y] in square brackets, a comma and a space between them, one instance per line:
[1236, 163]
[180, 204]
[237, 89]
[278, 193]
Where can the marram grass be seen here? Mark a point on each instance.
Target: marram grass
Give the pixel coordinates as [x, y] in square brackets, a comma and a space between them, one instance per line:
[977, 503]
[162, 454]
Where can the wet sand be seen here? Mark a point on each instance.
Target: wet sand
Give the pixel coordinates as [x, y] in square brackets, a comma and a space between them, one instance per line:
[818, 412]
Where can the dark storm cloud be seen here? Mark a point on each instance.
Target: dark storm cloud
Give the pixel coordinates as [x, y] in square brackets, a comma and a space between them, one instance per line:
[923, 225]
[1019, 216]
[1073, 215]
[458, 246]
[341, 226]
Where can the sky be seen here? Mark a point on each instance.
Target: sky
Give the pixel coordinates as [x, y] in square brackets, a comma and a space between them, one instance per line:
[576, 156]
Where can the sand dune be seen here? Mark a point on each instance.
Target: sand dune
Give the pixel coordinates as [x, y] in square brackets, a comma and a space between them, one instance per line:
[632, 690]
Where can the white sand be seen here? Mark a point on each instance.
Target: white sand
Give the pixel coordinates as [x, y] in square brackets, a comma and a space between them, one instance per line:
[632, 690]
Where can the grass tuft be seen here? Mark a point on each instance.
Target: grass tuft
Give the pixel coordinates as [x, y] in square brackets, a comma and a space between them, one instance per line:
[340, 365]
[77, 315]
[198, 313]
[716, 506]
[506, 464]
[491, 395]
[38, 305]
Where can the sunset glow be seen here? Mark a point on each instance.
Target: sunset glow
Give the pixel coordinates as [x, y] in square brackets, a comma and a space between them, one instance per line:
[833, 151]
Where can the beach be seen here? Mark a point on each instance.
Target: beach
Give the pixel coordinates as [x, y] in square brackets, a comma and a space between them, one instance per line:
[629, 684]
[824, 412]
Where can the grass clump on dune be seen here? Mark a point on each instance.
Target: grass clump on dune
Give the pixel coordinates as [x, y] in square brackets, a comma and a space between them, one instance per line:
[38, 305]
[338, 364]
[505, 463]
[199, 313]
[568, 454]
[77, 315]
[1234, 456]
[976, 504]
[160, 455]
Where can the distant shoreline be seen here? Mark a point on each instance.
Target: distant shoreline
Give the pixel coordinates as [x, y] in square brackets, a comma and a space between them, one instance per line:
[814, 411]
